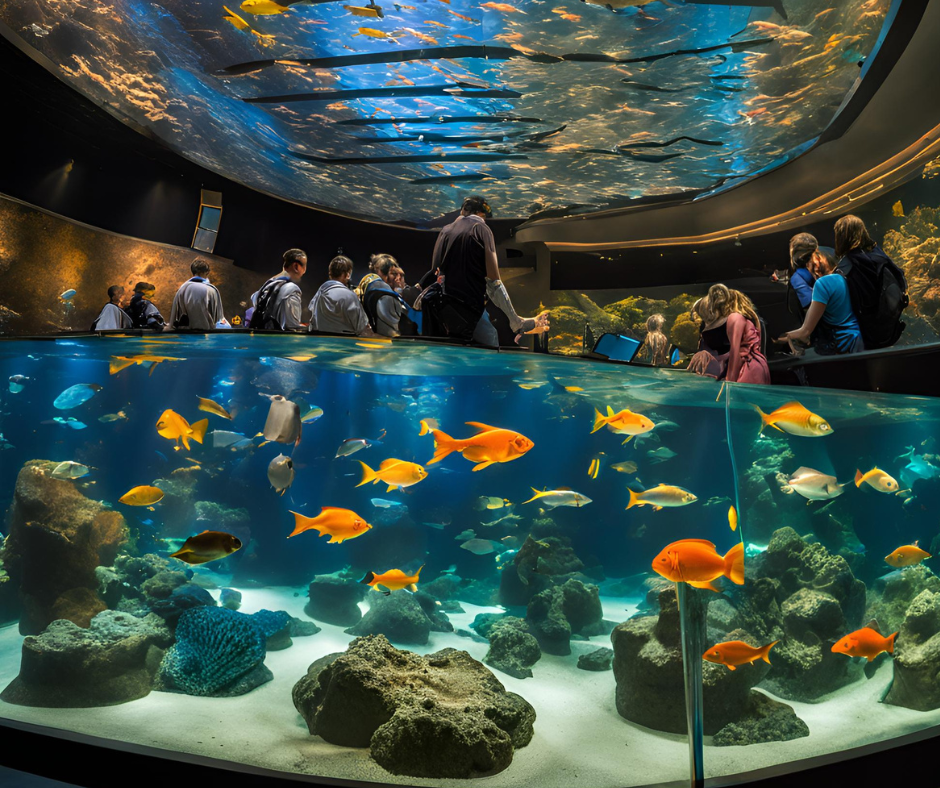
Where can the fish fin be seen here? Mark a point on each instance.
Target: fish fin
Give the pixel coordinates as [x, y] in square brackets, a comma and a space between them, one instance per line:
[537, 495]
[425, 429]
[368, 475]
[390, 487]
[482, 465]
[734, 564]
[419, 569]
[599, 420]
[443, 445]
[368, 579]
[412, 588]
[334, 539]
[388, 463]
[766, 651]
[610, 411]
[301, 524]
[731, 667]
[709, 584]
[479, 426]
[890, 646]
[858, 477]
[657, 508]
[199, 430]
[634, 499]
[629, 437]
[873, 625]
[185, 439]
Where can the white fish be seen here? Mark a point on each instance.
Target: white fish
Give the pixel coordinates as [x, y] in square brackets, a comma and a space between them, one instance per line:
[559, 497]
[814, 485]
[661, 454]
[506, 518]
[281, 473]
[17, 383]
[75, 395]
[481, 546]
[222, 439]
[283, 423]
[69, 470]
[383, 503]
[468, 534]
[351, 446]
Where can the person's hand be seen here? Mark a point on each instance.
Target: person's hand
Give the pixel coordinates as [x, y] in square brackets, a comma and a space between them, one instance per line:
[699, 362]
[541, 323]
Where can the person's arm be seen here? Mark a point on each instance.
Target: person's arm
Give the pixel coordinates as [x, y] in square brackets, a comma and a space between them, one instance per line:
[735, 327]
[175, 309]
[215, 307]
[803, 288]
[358, 320]
[389, 311]
[813, 315]
[292, 310]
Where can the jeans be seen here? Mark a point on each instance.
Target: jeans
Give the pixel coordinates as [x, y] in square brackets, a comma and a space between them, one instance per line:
[485, 332]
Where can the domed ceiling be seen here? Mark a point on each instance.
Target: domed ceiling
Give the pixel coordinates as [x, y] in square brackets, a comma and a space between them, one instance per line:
[394, 110]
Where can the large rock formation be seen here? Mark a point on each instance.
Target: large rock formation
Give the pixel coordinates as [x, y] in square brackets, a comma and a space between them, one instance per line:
[334, 600]
[399, 616]
[917, 656]
[113, 661]
[892, 595]
[57, 537]
[650, 681]
[539, 564]
[513, 650]
[443, 715]
[556, 613]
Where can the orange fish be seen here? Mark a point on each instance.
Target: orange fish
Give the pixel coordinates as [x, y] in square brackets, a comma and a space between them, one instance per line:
[461, 16]
[489, 445]
[458, 35]
[754, 112]
[794, 419]
[422, 36]
[340, 524]
[865, 642]
[504, 7]
[397, 474]
[906, 555]
[172, 426]
[736, 652]
[626, 422]
[696, 561]
[878, 479]
[432, 22]
[393, 580]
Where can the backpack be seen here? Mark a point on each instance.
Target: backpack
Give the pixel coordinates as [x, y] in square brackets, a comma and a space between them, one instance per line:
[370, 303]
[267, 297]
[878, 291]
[360, 289]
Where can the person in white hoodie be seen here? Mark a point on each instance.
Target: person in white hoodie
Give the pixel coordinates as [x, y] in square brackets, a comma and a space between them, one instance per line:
[334, 308]
[113, 316]
[197, 305]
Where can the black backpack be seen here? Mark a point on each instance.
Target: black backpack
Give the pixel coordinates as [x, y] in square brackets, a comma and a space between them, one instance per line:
[878, 291]
[370, 303]
[267, 297]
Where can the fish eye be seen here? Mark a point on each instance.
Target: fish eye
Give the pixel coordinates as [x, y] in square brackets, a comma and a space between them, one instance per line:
[824, 427]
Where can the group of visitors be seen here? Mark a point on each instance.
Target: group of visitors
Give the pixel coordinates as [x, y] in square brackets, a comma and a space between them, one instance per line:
[449, 301]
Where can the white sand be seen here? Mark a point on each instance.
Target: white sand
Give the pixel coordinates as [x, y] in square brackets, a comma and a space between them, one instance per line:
[578, 734]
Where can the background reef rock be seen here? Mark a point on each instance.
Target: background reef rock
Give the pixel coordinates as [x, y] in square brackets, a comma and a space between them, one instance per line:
[539, 564]
[513, 650]
[57, 538]
[917, 656]
[334, 600]
[556, 613]
[399, 616]
[649, 676]
[892, 595]
[441, 715]
[113, 661]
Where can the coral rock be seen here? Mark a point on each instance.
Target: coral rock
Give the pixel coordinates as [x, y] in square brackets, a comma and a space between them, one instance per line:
[230, 599]
[764, 720]
[555, 613]
[512, 649]
[398, 616]
[334, 600]
[598, 660]
[917, 656]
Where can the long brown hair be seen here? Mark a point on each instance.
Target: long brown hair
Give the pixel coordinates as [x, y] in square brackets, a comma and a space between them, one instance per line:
[851, 233]
[722, 301]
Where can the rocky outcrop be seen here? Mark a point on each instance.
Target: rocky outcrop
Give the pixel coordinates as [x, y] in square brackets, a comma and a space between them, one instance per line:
[57, 538]
[917, 656]
[230, 599]
[597, 660]
[398, 616]
[556, 613]
[891, 596]
[764, 720]
[113, 661]
[513, 650]
[539, 564]
[441, 715]
[334, 600]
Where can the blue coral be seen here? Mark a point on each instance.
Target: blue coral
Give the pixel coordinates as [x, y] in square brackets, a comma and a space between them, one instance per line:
[214, 648]
[270, 621]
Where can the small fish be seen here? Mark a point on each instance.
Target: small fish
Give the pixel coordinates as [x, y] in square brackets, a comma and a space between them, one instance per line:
[211, 406]
[491, 502]
[734, 653]
[794, 419]
[897, 209]
[878, 479]
[69, 470]
[68, 294]
[357, 10]
[111, 417]
[662, 454]
[594, 468]
[69, 421]
[480, 546]
[733, 518]
[560, 497]
[395, 473]
[866, 642]
[422, 36]
[17, 383]
[490, 445]
[696, 561]
[223, 439]
[625, 467]
[76, 395]
[351, 446]
[118, 363]
[436, 526]
[313, 413]
[207, 546]
[906, 555]
[506, 518]
[464, 535]
[393, 580]
[626, 422]
[281, 473]
[662, 495]
[283, 423]
[236, 21]
[427, 425]
[143, 495]
[813, 485]
[506, 8]
[174, 427]
[371, 32]
[339, 524]
[383, 503]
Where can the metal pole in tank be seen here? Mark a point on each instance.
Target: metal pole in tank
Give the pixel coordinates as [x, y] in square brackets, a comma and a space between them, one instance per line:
[692, 620]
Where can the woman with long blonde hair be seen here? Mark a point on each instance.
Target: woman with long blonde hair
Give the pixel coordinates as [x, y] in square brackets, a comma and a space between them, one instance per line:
[733, 326]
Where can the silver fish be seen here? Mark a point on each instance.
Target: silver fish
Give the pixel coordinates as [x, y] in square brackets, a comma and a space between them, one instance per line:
[480, 546]
[69, 470]
[351, 446]
[814, 485]
[281, 473]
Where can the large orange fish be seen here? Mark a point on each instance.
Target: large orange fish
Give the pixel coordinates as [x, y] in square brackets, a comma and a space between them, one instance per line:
[172, 426]
[907, 555]
[794, 419]
[736, 652]
[395, 473]
[393, 580]
[488, 446]
[697, 562]
[626, 422]
[865, 642]
[340, 524]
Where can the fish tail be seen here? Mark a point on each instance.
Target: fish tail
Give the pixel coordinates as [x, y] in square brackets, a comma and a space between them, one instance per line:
[302, 524]
[419, 570]
[368, 475]
[634, 499]
[765, 651]
[199, 430]
[627, 440]
[537, 495]
[425, 429]
[858, 477]
[734, 564]
[764, 418]
[889, 646]
[599, 420]
[443, 445]
[368, 579]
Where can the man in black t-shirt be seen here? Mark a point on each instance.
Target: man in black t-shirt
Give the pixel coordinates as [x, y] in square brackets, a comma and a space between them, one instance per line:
[465, 257]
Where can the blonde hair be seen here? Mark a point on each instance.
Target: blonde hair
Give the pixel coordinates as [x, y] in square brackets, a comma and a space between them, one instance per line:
[722, 301]
[655, 323]
[701, 310]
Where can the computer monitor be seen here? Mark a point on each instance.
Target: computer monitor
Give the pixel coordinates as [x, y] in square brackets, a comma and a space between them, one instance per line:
[617, 347]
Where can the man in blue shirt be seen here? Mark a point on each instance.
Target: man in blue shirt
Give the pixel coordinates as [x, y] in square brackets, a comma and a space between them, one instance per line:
[830, 315]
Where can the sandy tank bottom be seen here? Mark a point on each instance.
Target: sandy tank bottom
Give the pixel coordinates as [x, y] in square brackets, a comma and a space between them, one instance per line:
[579, 736]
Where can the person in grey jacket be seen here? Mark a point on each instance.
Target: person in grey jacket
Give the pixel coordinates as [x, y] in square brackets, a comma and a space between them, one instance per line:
[197, 305]
[113, 316]
[284, 308]
[335, 309]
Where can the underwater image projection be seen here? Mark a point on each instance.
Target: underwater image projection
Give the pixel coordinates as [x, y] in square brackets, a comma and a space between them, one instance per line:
[393, 111]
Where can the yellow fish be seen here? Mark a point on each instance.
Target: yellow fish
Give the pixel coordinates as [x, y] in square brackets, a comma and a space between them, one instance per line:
[897, 209]
[504, 7]
[123, 362]
[393, 580]
[142, 496]
[394, 473]
[625, 467]
[172, 426]
[211, 406]
[339, 524]
[662, 495]
[488, 446]
[372, 33]
[733, 518]
[626, 422]
[207, 546]
[421, 36]
[235, 19]
[878, 479]
[263, 7]
[594, 468]
[794, 419]
[907, 555]
[357, 10]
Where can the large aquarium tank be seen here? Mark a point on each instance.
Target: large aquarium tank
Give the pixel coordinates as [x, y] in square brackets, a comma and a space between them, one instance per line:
[408, 563]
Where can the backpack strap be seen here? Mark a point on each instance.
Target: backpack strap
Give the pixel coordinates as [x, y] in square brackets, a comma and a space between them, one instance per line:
[267, 297]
